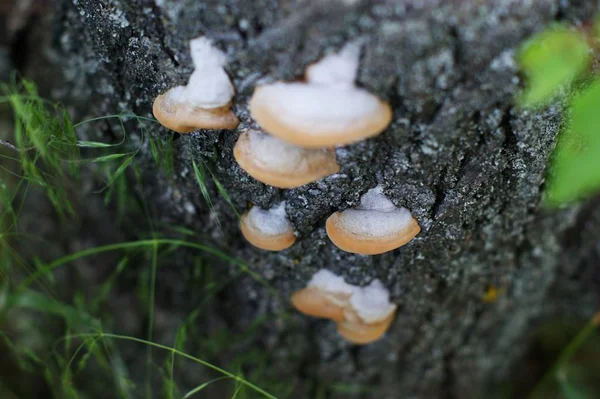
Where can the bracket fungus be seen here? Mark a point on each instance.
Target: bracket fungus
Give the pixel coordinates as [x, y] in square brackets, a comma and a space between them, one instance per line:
[374, 227]
[268, 229]
[362, 314]
[280, 164]
[326, 110]
[206, 100]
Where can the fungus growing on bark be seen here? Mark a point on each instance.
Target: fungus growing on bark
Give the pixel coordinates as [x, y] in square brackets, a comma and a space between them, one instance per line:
[280, 164]
[326, 110]
[374, 227]
[325, 296]
[206, 100]
[362, 314]
[268, 229]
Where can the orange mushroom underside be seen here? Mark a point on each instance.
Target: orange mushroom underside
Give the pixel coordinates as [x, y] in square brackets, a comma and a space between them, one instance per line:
[182, 118]
[362, 333]
[313, 302]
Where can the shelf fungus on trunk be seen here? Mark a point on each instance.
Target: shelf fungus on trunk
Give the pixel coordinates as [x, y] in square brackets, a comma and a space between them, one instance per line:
[374, 227]
[280, 164]
[268, 229]
[206, 100]
[362, 314]
[326, 110]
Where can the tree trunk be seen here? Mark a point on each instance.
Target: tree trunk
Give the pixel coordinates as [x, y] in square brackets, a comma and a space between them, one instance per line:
[459, 154]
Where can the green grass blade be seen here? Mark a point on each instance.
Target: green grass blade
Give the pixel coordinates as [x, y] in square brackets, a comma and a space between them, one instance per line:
[200, 176]
[137, 245]
[184, 355]
[202, 386]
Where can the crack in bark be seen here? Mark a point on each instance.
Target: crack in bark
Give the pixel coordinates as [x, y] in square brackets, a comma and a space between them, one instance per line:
[162, 34]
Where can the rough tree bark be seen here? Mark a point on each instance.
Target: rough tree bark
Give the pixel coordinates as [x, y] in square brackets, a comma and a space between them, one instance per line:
[459, 155]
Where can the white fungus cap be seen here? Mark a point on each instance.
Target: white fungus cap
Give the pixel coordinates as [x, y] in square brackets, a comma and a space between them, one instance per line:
[270, 222]
[209, 85]
[376, 216]
[325, 111]
[374, 227]
[268, 229]
[372, 303]
[330, 282]
[280, 164]
[204, 102]
[337, 69]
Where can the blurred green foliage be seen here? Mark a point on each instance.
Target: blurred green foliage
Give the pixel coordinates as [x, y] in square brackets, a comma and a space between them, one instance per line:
[553, 60]
[55, 336]
[576, 162]
[574, 374]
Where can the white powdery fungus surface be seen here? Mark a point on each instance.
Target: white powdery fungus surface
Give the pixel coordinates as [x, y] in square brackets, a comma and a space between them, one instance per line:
[271, 222]
[375, 217]
[276, 154]
[209, 85]
[309, 107]
[328, 282]
[371, 303]
[336, 69]
[375, 200]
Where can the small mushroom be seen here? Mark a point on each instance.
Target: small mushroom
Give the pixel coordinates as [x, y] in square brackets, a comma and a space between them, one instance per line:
[326, 110]
[369, 315]
[361, 333]
[325, 296]
[280, 164]
[268, 229]
[362, 314]
[374, 227]
[206, 100]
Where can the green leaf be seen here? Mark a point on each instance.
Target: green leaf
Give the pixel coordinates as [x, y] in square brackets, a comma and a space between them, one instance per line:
[201, 387]
[95, 144]
[568, 389]
[155, 151]
[35, 301]
[597, 26]
[550, 60]
[575, 169]
[200, 176]
[121, 169]
[107, 158]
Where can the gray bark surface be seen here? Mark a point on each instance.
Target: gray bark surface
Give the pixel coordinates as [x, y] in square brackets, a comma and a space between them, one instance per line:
[467, 163]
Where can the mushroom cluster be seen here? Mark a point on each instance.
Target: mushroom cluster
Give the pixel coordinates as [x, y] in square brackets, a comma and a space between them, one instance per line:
[303, 122]
[362, 314]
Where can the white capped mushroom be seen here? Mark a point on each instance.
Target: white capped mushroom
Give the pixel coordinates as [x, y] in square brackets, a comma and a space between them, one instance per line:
[204, 103]
[268, 229]
[326, 110]
[374, 227]
[280, 164]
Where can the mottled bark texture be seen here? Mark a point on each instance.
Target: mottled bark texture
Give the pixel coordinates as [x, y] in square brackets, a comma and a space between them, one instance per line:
[468, 164]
